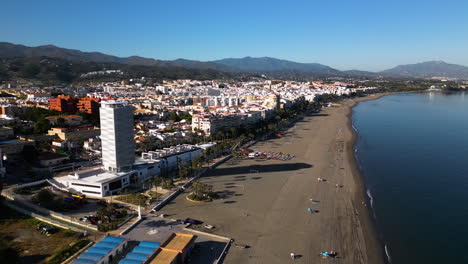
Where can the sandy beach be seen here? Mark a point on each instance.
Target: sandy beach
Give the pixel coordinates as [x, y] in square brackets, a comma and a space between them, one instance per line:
[265, 202]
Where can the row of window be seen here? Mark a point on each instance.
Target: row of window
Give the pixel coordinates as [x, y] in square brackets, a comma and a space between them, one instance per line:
[86, 185]
[91, 192]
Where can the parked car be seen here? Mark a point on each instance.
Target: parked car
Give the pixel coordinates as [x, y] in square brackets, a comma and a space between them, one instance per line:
[47, 229]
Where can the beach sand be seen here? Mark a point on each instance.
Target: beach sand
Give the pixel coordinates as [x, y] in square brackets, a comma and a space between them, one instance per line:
[268, 210]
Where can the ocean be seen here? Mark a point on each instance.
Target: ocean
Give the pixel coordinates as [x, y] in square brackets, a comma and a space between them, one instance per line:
[412, 150]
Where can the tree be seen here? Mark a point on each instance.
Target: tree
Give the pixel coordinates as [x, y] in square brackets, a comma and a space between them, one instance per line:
[41, 126]
[201, 190]
[157, 181]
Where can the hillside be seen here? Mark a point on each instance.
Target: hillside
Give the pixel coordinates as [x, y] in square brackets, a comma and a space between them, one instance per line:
[429, 69]
[49, 71]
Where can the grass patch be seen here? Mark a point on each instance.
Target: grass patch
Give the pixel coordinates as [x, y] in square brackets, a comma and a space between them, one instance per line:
[20, 233]
[66, 252]
[198, 198]
[154, 195]
[138, 198]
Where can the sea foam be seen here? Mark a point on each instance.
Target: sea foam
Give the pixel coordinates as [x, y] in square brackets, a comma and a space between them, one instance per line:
[387, 252]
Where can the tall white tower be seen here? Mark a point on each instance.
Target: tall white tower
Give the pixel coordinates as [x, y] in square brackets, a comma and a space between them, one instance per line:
[118, 145]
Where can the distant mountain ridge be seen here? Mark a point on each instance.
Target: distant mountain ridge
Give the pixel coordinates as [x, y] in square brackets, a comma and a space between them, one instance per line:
[429, 69]
[271, 64]
[261, 65]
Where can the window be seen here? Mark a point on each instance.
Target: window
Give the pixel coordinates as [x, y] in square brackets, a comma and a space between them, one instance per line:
[86, 185]
[91, 192]
[115, 185]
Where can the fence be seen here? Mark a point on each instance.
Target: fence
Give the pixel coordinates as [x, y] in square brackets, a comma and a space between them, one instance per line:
[40, 217]
[42, 211]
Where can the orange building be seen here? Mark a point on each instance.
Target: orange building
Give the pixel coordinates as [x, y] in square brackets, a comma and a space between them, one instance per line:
[64, 103]
[89, 105]
[175, 250]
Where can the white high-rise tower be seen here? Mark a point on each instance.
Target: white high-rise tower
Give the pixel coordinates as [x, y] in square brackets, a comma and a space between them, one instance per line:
[118, 145]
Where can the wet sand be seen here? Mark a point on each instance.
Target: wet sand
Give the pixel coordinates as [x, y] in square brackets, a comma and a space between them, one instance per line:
[267, 210]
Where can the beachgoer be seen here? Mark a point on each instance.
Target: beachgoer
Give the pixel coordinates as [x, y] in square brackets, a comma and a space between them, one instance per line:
[310, 210]
[293, 256]
[336, 185]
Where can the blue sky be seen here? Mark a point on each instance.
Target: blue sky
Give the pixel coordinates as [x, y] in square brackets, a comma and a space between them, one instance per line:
[345, 34]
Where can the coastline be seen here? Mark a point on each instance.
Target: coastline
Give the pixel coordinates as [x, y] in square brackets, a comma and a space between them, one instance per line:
[374, 245]
[266, 201]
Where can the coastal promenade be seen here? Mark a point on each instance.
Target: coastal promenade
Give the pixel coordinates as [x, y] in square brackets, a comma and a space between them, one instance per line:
[268, 210]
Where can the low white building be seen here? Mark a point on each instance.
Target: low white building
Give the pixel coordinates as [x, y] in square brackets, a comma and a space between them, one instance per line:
[169, 158]
[99, 182]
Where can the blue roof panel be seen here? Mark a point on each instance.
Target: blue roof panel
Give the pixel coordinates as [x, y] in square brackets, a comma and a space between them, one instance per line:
[137, 256]
[99, 250]
[92, 256]
[130, 261]
[149, 244]
[109, 245]
[143, 250]
[113, 239]
[83, 261]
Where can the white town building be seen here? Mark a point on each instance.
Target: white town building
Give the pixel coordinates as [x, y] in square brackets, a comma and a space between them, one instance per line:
[118, 145]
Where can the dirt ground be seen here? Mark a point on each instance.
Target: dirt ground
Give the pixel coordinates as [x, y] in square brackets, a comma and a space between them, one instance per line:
[34, 247]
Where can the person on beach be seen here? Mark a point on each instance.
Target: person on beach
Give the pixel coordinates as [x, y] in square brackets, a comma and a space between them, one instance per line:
[310, 210]
[293, 256]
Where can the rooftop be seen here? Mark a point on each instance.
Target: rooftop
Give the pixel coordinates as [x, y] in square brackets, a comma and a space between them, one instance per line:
[177, 241]
[95, 175]
[164, 256]
[63, 116]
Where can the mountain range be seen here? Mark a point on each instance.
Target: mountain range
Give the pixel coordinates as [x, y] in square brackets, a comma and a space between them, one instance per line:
[262, 65]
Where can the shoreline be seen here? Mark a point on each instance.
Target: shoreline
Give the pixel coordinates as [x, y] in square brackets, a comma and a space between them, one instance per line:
[374, 244]
[270, 204]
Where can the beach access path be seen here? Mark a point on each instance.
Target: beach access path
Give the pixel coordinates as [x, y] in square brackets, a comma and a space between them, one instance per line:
[265, 202]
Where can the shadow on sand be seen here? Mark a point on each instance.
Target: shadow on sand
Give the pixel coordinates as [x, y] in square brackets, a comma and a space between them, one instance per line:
[259, 168]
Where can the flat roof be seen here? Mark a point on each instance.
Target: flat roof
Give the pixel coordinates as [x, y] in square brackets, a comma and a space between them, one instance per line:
[178, 241]
[97, 175]
[164, 256]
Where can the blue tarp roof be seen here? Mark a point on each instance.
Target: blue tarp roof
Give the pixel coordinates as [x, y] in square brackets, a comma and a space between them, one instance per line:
[137, 256]
[130, 261]
[113, 239]
[99, 250]
[143, 250]
[149, 244]
[109, 245]
[92, 256]
[83, 261]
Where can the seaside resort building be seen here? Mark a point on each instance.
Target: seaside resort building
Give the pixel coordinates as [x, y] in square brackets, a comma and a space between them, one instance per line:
[118, 169]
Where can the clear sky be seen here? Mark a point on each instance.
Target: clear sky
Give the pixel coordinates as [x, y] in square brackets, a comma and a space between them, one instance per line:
[345, 34]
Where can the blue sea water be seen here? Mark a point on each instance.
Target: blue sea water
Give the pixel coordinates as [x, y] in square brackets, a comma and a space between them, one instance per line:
[412, 150]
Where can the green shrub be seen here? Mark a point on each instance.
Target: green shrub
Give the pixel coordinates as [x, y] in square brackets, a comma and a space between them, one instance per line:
[107, 227]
